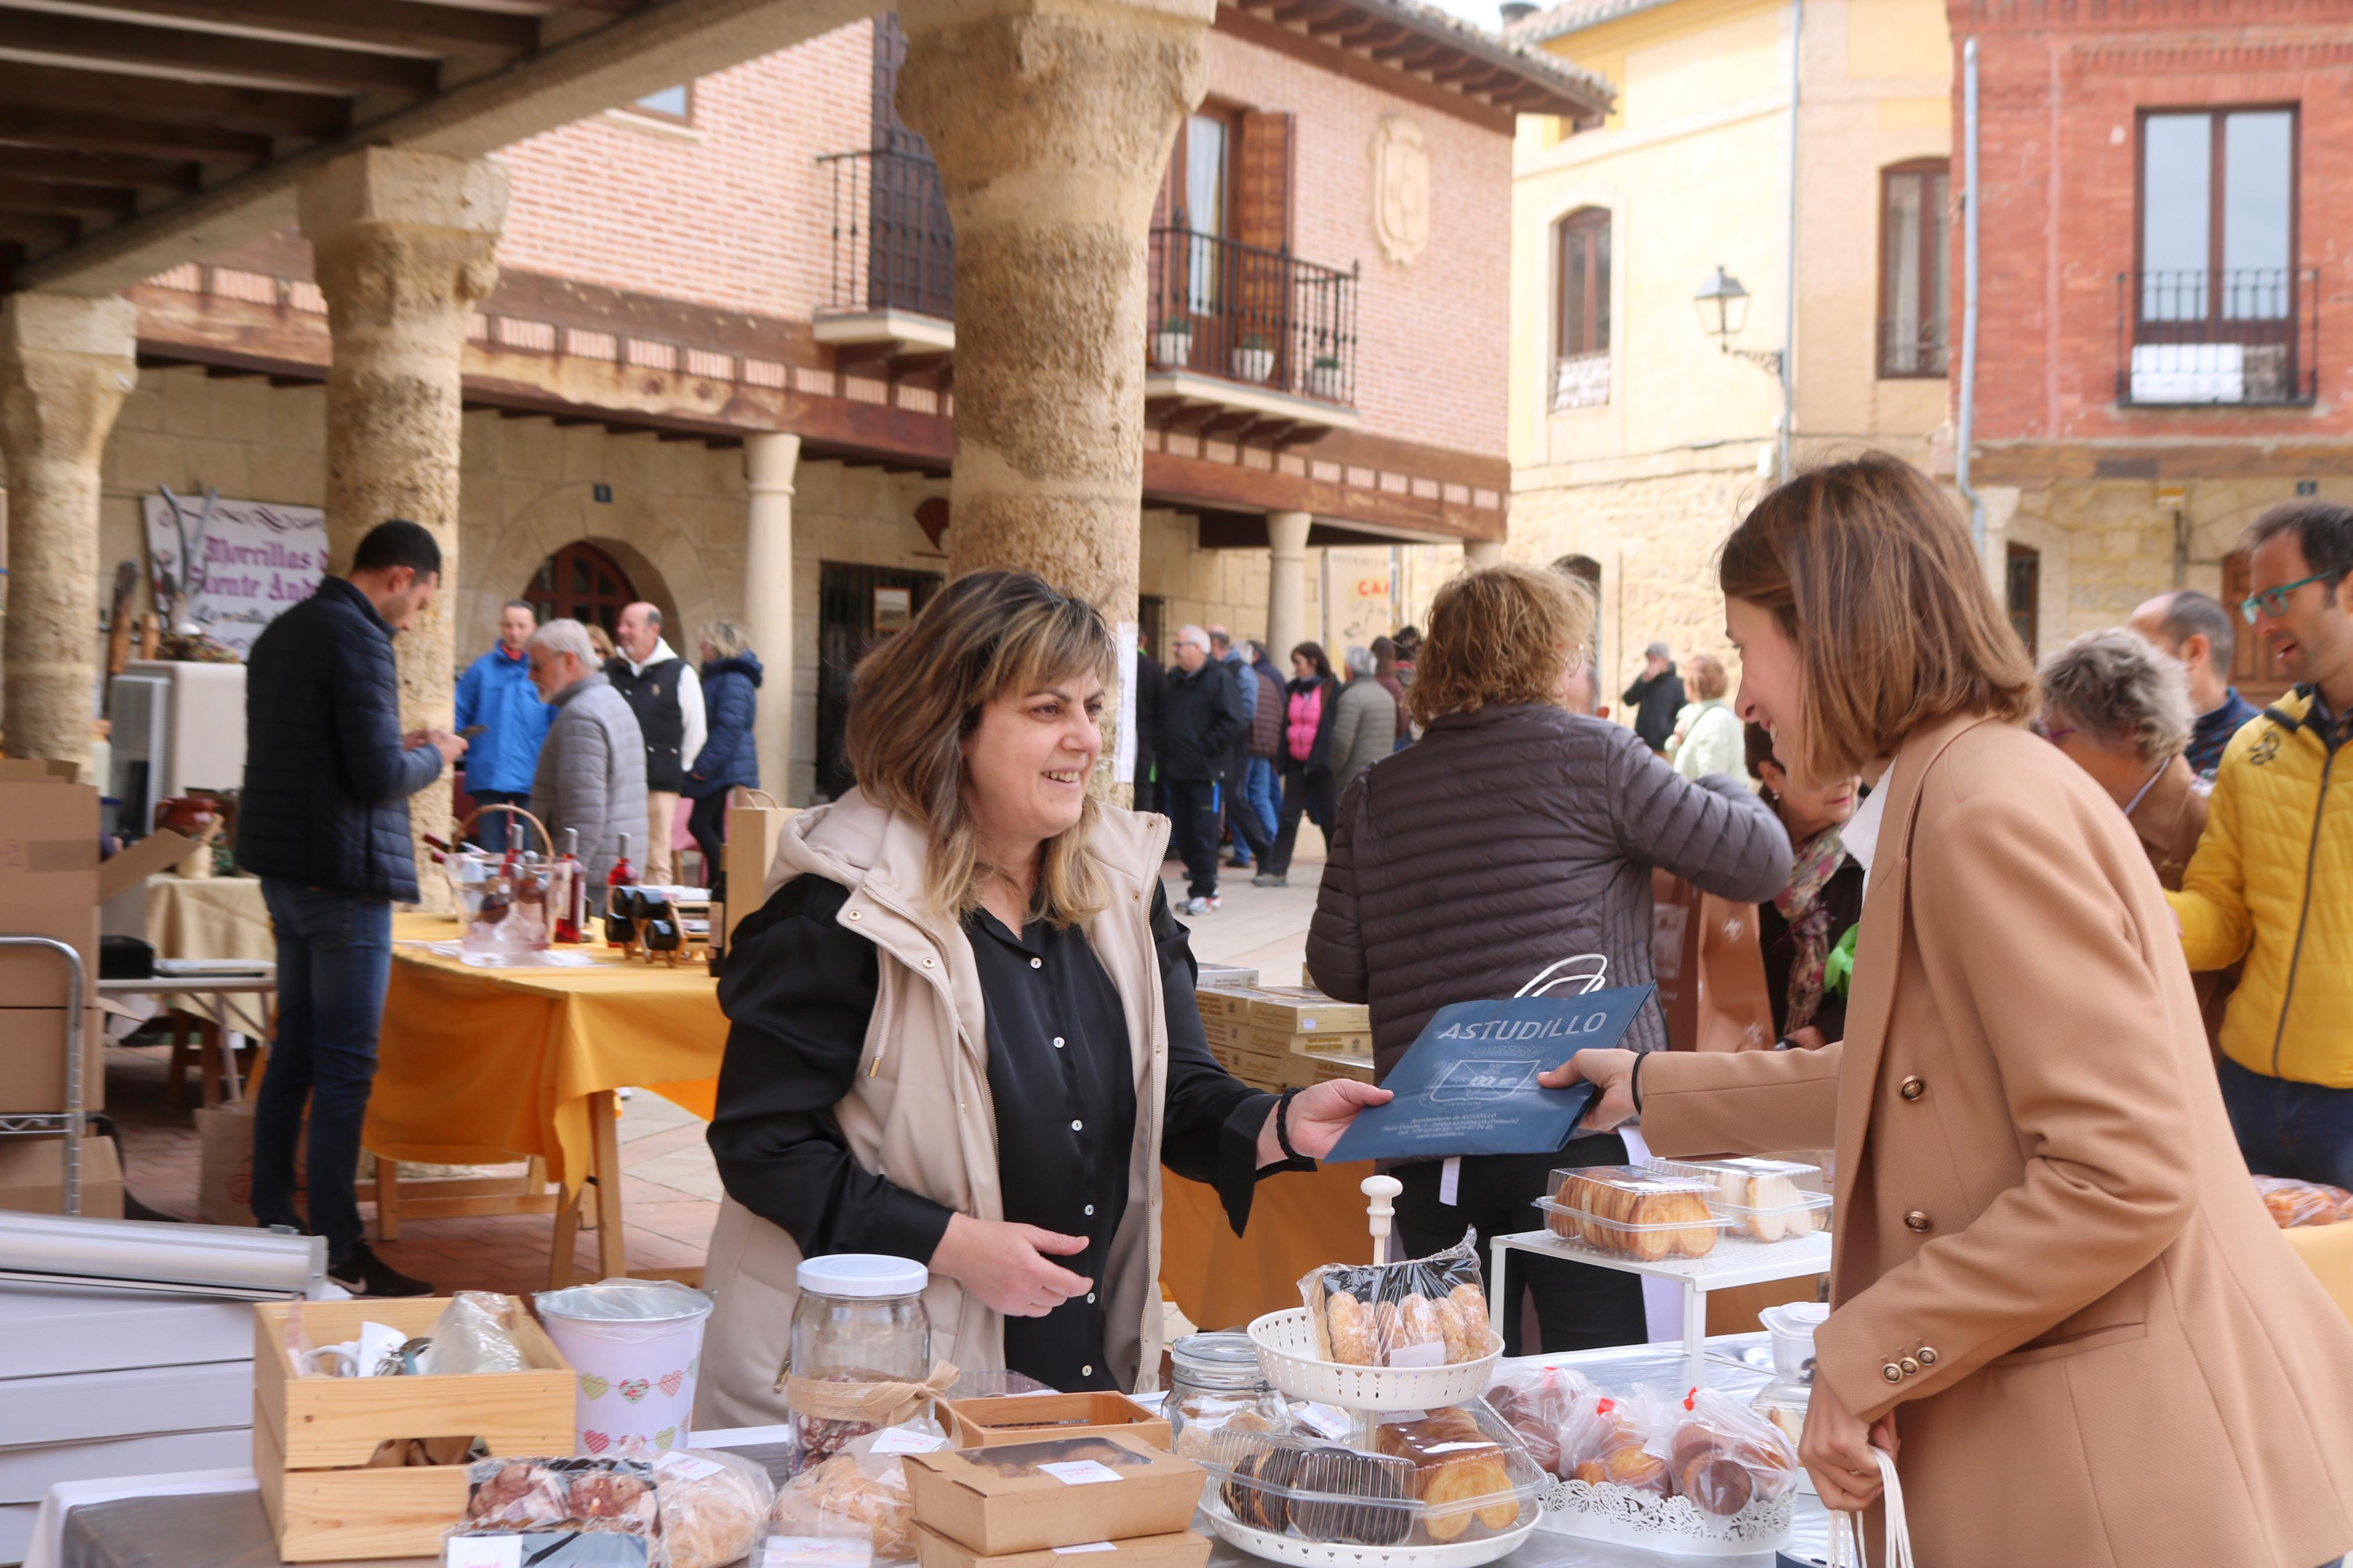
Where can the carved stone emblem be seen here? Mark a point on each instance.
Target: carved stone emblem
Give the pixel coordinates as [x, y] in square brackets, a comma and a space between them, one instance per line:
[1400, 188]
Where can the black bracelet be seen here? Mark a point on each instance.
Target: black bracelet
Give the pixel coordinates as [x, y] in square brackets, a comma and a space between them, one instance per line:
[1282, 1125]
[1634, 1081]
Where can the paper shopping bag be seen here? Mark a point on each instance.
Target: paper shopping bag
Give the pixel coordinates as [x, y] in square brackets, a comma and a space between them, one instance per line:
[755, 822]
[1710, 967]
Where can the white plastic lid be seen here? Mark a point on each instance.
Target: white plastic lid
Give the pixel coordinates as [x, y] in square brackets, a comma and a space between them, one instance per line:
[1797, 1319]
[864, 1275]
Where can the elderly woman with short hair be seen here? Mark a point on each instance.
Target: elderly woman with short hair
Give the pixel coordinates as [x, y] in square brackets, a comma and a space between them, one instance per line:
[962, 1029]
[1514, 833]
[731, 754]
[2119, 710]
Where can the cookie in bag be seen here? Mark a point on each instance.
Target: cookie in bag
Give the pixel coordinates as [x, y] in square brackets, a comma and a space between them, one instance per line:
[1427, 1311]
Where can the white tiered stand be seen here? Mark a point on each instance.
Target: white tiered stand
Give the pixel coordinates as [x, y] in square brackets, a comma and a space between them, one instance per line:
[1734, 1261]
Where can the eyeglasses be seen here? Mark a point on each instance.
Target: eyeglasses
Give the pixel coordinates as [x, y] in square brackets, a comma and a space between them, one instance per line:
[2272, 602]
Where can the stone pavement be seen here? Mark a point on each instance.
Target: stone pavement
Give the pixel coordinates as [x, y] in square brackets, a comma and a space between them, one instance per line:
[670, 1188]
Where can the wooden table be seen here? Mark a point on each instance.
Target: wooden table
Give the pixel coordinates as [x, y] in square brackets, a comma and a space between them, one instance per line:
[214, 1058]
[480, 1066]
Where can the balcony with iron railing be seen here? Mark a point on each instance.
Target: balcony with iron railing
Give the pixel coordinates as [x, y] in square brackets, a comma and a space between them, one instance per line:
[891, 284]
[1247, 341]
[2245, 337]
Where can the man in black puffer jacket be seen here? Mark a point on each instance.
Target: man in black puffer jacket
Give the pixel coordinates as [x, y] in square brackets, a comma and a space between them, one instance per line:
[323, 821]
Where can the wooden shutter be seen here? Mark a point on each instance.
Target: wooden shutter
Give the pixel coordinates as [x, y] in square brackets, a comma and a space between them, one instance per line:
[1261, 176]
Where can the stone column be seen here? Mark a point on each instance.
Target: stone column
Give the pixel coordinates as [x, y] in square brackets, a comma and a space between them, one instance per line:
[1286, 585]
[403, 244]
[1480, 553]
[769, 461]
[1052, 122]
[66, 363]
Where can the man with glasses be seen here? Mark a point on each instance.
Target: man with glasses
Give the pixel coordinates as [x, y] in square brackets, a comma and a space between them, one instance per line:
[2273, 878]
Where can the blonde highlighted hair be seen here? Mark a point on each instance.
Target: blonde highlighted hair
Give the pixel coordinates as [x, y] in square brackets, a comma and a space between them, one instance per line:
[916, 699]
[1504, 634]
[1870, 570]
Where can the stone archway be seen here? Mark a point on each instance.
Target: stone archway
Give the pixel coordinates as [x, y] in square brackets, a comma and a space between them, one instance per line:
[501, 556]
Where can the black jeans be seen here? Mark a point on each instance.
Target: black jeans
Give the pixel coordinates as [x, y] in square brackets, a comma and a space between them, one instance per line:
[1578, 1306]
[1195, 808]
[1313, 793]
[706, 820]
[334, 960]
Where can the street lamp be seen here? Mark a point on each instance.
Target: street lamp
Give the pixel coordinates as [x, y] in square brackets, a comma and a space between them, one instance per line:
[1723, 306]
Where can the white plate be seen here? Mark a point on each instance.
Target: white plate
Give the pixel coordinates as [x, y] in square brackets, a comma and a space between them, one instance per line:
[1286, 1353]
[1341, 1554]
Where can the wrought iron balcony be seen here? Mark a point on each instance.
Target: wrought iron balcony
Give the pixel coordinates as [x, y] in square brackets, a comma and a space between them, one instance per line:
[1255, 339]
[893, 262]
[2245, 337]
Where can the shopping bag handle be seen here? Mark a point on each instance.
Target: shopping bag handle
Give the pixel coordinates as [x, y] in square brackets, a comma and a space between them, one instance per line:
[1591, 982]
[1846, 1528]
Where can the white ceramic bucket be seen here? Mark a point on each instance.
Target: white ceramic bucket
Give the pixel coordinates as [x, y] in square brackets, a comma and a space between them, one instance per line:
[636, 1348]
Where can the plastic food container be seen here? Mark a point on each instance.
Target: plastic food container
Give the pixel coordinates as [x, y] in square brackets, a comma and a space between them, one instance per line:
[1792, 1326]
[1765, 1200]
[1215, 1381]
[1448, 1476]
[1631, 1211]
[859, 1320]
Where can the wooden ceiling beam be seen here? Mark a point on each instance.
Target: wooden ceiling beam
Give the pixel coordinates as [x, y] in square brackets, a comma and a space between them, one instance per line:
[90, 169]
[393, 23]
[59, 197]
[301, 67]
[248, 112]
[38, 233]
[116, 134]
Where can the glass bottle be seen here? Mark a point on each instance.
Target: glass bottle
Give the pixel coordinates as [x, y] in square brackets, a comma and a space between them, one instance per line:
[572, 906]
[620, 876]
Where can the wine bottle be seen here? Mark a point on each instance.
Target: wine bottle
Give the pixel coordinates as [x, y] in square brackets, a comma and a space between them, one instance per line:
[620, 876]
[572, 911]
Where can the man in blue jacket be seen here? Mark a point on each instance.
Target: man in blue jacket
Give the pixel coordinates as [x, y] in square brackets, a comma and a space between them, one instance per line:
[323, 821]
[496, 692]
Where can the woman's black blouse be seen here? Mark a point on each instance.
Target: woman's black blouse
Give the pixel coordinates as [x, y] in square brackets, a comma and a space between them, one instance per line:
[1842, 895]
[798, 992]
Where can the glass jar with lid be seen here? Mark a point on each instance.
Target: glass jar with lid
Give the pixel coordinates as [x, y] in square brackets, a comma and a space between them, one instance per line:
[1214, 1384]
[860, 1323]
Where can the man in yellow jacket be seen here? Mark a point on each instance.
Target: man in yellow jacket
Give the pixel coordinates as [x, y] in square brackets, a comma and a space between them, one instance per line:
[2273, 878]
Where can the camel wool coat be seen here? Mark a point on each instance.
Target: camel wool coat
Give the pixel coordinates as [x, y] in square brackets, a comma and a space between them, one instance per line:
[2049, 1260]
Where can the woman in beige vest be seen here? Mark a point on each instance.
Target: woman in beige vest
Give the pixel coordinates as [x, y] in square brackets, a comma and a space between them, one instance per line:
[2055, 1297]
[961, 1027]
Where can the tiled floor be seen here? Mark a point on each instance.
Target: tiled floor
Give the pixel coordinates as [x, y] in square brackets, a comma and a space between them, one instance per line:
[669, 1190]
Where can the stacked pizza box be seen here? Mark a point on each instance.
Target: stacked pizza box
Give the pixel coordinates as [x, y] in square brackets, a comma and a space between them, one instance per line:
[1285, 1036]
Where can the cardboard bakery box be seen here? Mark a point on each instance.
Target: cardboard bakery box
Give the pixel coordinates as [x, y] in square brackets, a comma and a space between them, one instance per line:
[1348, 1043]
[1301, 1070]
[1181, 1548]
[1304, 1010]
[1028, 1417]
[1223, 1002]
[1061, 1491]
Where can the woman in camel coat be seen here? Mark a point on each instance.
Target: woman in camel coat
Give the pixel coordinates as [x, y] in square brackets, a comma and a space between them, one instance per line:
[2055, 1295]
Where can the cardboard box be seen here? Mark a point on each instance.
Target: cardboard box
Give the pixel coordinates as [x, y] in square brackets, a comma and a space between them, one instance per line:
[33, 1059]
[1028, 1417]
[1065, 1491]
[1256, 1068]
[1182, 1549]
[1222, 1001]
[1357, 1043]
[1301, 1072]
[48, 886]
[33, 1176]
[1302, 1010]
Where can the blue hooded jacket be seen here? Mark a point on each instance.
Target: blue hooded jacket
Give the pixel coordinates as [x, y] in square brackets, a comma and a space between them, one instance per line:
[496, 692]
[731, 756]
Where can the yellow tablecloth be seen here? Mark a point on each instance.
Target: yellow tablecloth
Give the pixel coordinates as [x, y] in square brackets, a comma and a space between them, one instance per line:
[481, 1065]
[212, 917]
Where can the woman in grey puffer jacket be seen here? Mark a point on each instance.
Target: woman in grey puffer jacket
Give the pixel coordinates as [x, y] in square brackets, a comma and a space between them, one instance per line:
[1514, 834]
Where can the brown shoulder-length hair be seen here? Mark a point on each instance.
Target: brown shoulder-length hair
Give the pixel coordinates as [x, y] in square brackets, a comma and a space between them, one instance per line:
[1870, 569]
[1502, 634]
[916, 699]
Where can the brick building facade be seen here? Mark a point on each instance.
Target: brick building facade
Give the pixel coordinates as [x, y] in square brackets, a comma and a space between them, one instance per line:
[2166, 326]
[680, 275]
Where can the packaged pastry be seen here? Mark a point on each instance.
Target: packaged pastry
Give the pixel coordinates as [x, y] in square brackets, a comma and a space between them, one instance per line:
[1765, 1200]
[1718, 1453]
[1429, 1311]
[1536, 1401]
[1602, 1444]
[1459, 1473]
[1632, 1212]
[861, 1491]
[2294, 1203]
[713, 1505]
[566, 1509]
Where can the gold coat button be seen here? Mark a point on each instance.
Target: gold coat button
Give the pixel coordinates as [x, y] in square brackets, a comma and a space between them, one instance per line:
[1927, 1355]
[1911, 1088]
[1916, 1219]
[1909, 1365]
[1892, 1372]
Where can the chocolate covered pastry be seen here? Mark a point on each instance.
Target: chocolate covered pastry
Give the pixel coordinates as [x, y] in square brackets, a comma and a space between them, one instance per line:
[1337, 1474]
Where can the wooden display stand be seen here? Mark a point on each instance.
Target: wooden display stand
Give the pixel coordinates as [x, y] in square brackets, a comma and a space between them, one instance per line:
[309, 1432]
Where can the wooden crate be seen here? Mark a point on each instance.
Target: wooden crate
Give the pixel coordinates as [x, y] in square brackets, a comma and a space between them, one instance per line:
[312, 1436]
